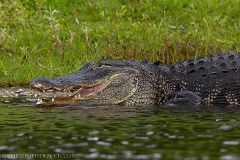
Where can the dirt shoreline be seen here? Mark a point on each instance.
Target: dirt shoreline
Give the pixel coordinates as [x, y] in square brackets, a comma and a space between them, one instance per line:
[17, 92]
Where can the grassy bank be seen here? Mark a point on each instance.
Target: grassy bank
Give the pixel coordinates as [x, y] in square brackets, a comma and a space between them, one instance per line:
[56, 37]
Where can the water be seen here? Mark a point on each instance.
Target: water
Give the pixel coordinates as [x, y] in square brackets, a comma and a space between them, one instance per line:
[119, 132]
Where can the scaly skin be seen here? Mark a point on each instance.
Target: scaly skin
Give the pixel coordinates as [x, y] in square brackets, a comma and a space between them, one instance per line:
[206, 80]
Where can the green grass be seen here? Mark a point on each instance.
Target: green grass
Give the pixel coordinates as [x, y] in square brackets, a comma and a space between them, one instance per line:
[56, 37]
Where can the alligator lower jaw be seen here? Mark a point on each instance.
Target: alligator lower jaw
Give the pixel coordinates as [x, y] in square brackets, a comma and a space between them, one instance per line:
[82, 92]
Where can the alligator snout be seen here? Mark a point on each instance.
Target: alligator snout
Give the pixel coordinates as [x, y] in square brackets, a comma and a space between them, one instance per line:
[44, 83]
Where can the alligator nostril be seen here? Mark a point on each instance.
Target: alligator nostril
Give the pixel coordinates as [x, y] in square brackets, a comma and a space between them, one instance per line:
[37, 86]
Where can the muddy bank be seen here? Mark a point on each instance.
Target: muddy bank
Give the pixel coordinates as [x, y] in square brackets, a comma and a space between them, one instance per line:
[18, 92]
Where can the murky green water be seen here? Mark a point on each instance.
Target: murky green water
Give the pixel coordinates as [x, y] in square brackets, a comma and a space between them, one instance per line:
[118, 132]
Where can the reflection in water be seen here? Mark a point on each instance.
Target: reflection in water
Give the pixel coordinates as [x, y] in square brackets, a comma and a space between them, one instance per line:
[116, 132]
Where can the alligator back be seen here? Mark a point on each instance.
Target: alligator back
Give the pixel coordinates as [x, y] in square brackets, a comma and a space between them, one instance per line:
[215, 78]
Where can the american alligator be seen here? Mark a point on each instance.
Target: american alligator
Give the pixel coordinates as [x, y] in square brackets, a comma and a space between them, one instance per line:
[213, 79]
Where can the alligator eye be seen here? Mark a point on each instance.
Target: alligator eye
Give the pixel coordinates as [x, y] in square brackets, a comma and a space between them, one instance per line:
[93, 67]
[102, 65]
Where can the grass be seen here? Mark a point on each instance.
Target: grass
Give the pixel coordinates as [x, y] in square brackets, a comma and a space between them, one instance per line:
[56, 37]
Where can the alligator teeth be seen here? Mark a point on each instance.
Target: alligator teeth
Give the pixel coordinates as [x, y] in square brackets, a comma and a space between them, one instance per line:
[39, 101]
[77, 96]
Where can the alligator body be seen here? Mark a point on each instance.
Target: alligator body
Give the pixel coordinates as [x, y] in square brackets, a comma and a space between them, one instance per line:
[213, 79]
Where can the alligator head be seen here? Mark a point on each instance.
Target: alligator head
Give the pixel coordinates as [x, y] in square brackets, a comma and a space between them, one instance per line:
[110, 82]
